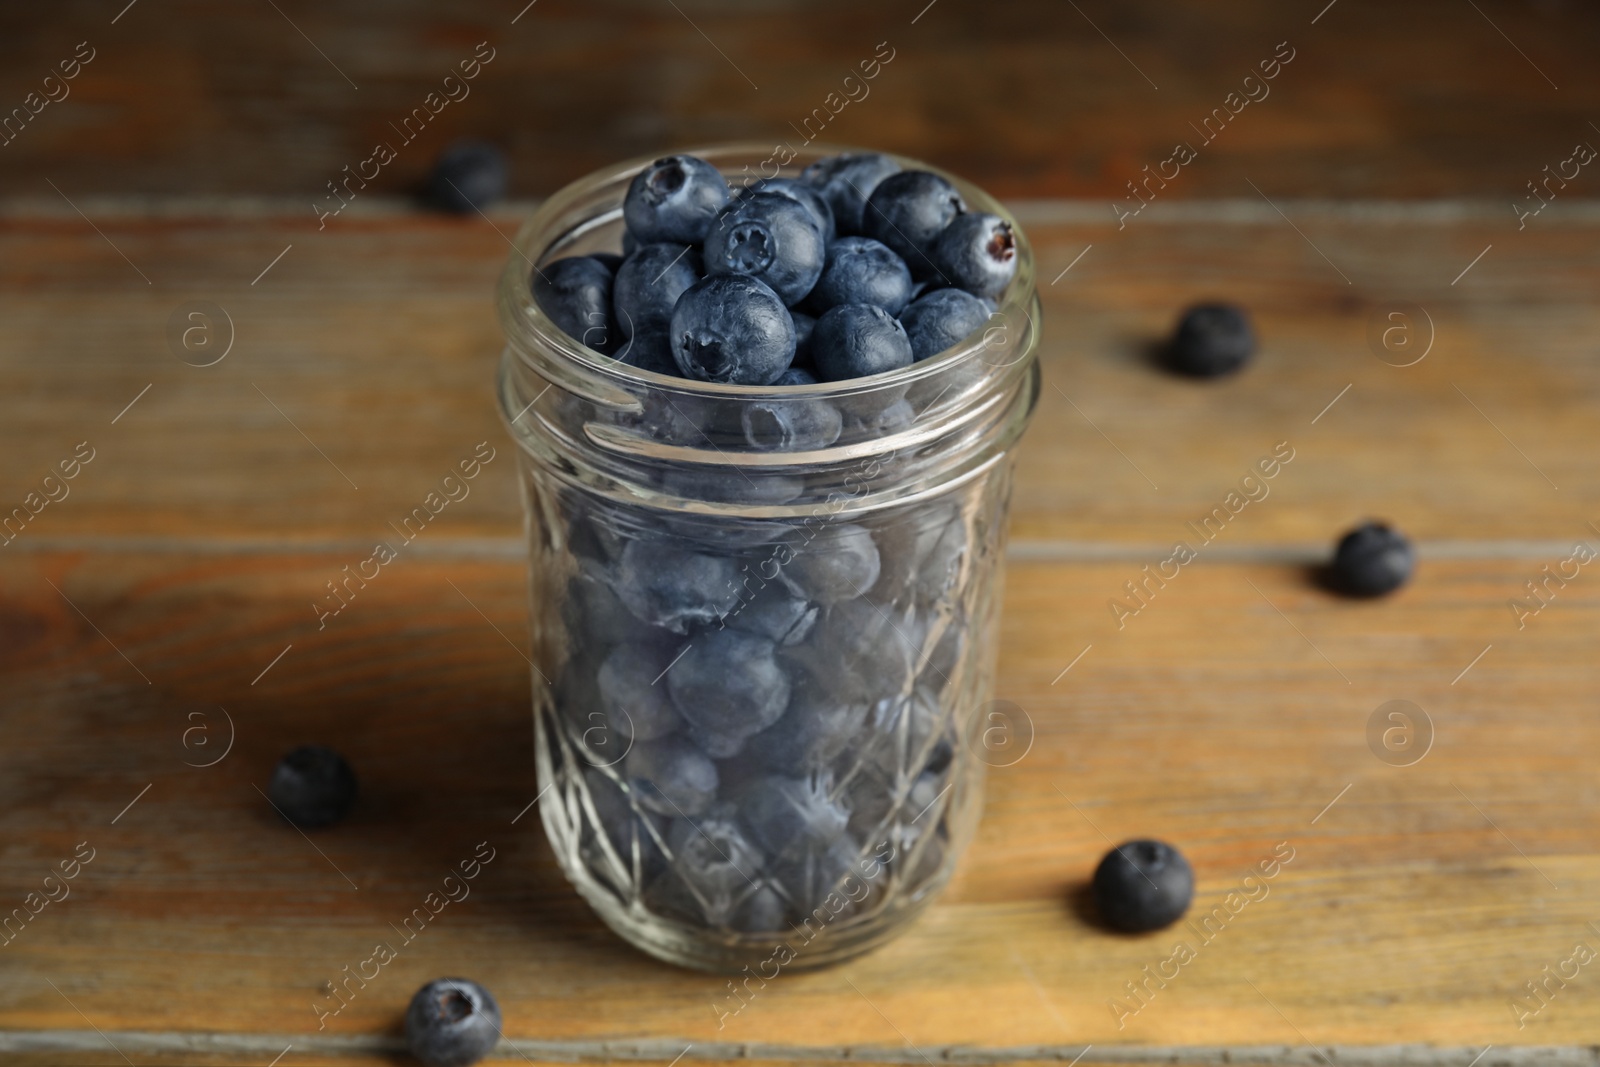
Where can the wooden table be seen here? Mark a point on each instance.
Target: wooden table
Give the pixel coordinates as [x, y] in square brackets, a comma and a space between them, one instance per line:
[163, 607]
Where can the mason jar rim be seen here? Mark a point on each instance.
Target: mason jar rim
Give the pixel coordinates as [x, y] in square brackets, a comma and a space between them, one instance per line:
[530, 332]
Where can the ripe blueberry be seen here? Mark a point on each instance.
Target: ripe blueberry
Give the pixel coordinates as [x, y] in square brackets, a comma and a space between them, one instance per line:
[782, 814]
[976, 252]
[802, 193]
[860, 270]
[468, 176]
[732, 328]
[728, 682]
[846, 181]
[796, 376]
[1371, 560]
[941, 319]
[312, 786]
[770, 237]
[674, 199]
[854, 340]
[673, 588]
[839, 563]
[1211, 340]
[648, 285]
[576, 293]
[1143, 885]
[815, 729]
[774, 614]
[790, 425]
[803, 326]
[650, 350]
[452, 1022]
[907, 211]
[632, 692]
[671, 776]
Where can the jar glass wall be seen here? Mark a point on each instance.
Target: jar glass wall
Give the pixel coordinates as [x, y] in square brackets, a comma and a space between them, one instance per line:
[764, 619]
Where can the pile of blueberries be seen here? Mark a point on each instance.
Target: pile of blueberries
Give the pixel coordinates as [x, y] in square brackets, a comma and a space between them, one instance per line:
[857, 267]
[753, 724]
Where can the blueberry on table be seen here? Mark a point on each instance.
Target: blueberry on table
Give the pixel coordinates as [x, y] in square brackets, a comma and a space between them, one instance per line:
[907, 211]
[976, 252]
[1143, 885]
[1371, 560]
[452, 1022]
[733, 329]
[648, 284]
[839, 562]
[846, 181]
[806, 195]
[671, 776]
[855, 340]
[673, 588]
[940, 320]
[633, 690]
[1211, 340]
[674, 199]
[312, 786]
[728, 682]
[770, 237]
[576, 293]
[860, 270]
[467, 177]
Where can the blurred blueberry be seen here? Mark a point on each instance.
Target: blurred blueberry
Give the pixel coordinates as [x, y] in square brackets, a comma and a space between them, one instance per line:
[452, 1022]
[976, 252]
[941, 319]
[672, 588]
[816, 727]
[576, 293]
[855, 340]
[907, 211]
[876, 422]
[769, 237]
[715, 857]
[774, 614]
[860, 270]
[728, 682]
[1211, 340]
[860, 651]
[1143, 885]
[839, 562]
[1371, 560]
[823, 879]
[468, 177]
[732, 328]
[784, 814]
[846, 181]
[785, 425]
[716, 745]
[312, 786]
[595, 616]
[671, 776]
[633, 690]
[648, 285]
[674, 199]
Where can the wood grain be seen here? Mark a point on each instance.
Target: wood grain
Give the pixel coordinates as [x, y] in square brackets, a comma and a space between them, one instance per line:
[1422, 98]
[1229, 717]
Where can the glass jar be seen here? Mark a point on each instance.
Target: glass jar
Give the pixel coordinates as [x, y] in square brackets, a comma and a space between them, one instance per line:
[763, 619]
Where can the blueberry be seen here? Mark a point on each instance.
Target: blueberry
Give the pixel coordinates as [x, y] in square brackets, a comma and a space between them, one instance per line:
[876, 423]
[774, 614]
[1371, 560]
[576, 293]
[769, 237]
[632, 690]
[859, 651]
[940, 320]
[838, 563]
[907, 211]
[784, 814]
[715, 857]
[452, 1022]
[1211, 340]
[790, 425]
[595, 616]
[1143, 885]
[855, 340]
[732, 328]
[728, 682]
[312, 786]
[671, 776]
[718, 746]
[796, 376]
[823, 879]
[650, 350]
[846, 182]
[803, 325]
[674, 589]
[976, 252]
[674, 199]
[815, 729]
[860, 270]
[648, 285]
[467, 177]
[806, 195]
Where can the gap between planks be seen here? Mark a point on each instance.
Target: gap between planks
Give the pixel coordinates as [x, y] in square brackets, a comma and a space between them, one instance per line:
[668, 1049]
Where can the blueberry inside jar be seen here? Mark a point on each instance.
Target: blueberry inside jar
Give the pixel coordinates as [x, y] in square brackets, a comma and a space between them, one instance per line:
[766, 525]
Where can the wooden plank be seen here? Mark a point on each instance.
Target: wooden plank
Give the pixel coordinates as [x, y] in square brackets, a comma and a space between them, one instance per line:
[365, 358]
[1229, 717]
[1413, 99]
